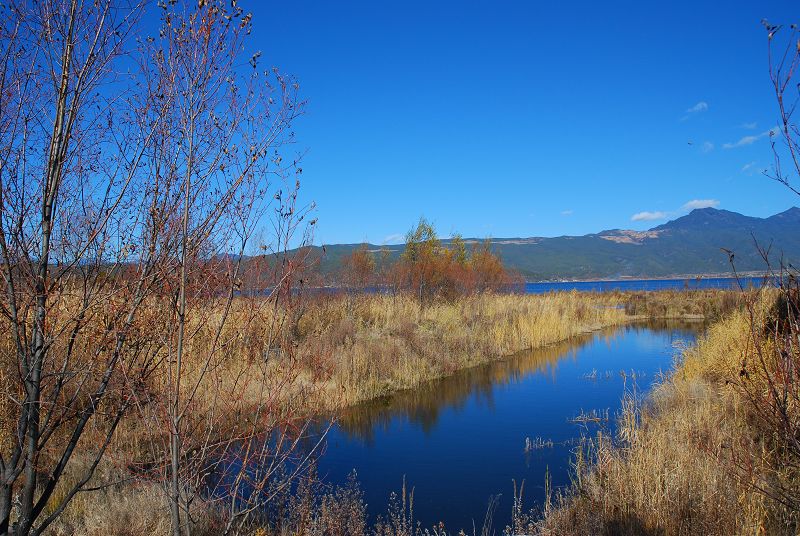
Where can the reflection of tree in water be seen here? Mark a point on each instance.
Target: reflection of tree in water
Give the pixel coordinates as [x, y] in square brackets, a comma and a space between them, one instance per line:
[677, 331]
[423, 405]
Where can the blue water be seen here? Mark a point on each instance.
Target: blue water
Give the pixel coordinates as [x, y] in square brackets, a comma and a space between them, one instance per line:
[460, 440]
[693, 283]
[645, 284]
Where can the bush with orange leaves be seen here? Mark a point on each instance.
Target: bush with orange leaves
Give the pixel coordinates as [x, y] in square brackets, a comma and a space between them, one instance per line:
[431, 268]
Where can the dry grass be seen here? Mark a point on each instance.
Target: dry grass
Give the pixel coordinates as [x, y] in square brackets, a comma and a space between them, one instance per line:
[378, 344]
[711, 304]
[342, 349]
[312, 508]
[125, 510]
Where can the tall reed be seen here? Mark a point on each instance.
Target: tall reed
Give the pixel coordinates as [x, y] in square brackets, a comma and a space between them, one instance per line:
[377, 344]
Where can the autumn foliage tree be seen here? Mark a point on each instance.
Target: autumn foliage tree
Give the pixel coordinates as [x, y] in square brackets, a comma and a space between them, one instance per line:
[487, 269]
[359, 268]
[431, 268]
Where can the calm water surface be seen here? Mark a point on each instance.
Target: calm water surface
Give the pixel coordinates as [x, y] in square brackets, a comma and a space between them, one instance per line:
[693, 283]
[460, 440]
[645, 284]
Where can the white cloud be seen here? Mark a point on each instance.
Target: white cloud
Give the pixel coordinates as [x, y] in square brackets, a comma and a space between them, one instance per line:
[662, 215]
[569, 212]
[707, 147]
[749, 126]
[748, 166]
[749, 140]
[700, 203]
[701, 106]
[649, 216]
[396, 238]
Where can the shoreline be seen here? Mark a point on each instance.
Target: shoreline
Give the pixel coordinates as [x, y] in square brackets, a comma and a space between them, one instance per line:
[620, 279]
[623, 279]
[336, 411]
[492, 358]
[480, 362]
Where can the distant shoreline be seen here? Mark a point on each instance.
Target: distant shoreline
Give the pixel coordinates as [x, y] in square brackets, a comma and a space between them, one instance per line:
[621, 279]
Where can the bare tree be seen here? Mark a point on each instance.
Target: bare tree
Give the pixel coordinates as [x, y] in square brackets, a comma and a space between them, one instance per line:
[218, 156]
[783, 65]
[769, 378]
[134, 171]
[66, 174]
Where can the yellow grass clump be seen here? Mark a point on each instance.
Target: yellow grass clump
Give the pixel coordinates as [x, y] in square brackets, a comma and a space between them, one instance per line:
[378, 344]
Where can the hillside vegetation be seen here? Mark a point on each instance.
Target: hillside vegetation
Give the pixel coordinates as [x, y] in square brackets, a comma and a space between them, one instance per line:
[688, 245]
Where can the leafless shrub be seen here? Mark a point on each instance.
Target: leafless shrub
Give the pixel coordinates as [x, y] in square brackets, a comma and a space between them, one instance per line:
[135, 172]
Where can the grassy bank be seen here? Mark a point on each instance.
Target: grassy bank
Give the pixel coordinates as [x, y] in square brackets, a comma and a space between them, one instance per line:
[330, 352]
[692, 460]
[375, 345]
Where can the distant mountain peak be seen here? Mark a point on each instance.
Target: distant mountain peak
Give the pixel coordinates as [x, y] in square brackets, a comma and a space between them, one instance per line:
[702, 217]
[790, 214]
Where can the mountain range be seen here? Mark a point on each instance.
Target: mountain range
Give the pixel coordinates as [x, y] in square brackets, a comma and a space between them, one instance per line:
[697, 243]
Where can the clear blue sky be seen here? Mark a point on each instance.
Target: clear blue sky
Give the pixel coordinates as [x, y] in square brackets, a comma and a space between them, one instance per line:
[526, 118]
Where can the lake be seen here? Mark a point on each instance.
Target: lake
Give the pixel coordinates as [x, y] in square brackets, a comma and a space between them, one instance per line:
[693, 283]
[542, 287]
[459, 440]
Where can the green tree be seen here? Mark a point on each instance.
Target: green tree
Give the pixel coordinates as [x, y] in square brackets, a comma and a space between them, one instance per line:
[459, 249]
[419, 258]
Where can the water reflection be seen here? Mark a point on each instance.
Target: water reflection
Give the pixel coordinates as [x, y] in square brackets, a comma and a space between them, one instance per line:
[461, 439]
[422, 406]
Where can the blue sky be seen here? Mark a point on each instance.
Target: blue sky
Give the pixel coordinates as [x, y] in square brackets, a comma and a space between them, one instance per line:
[526, 118]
